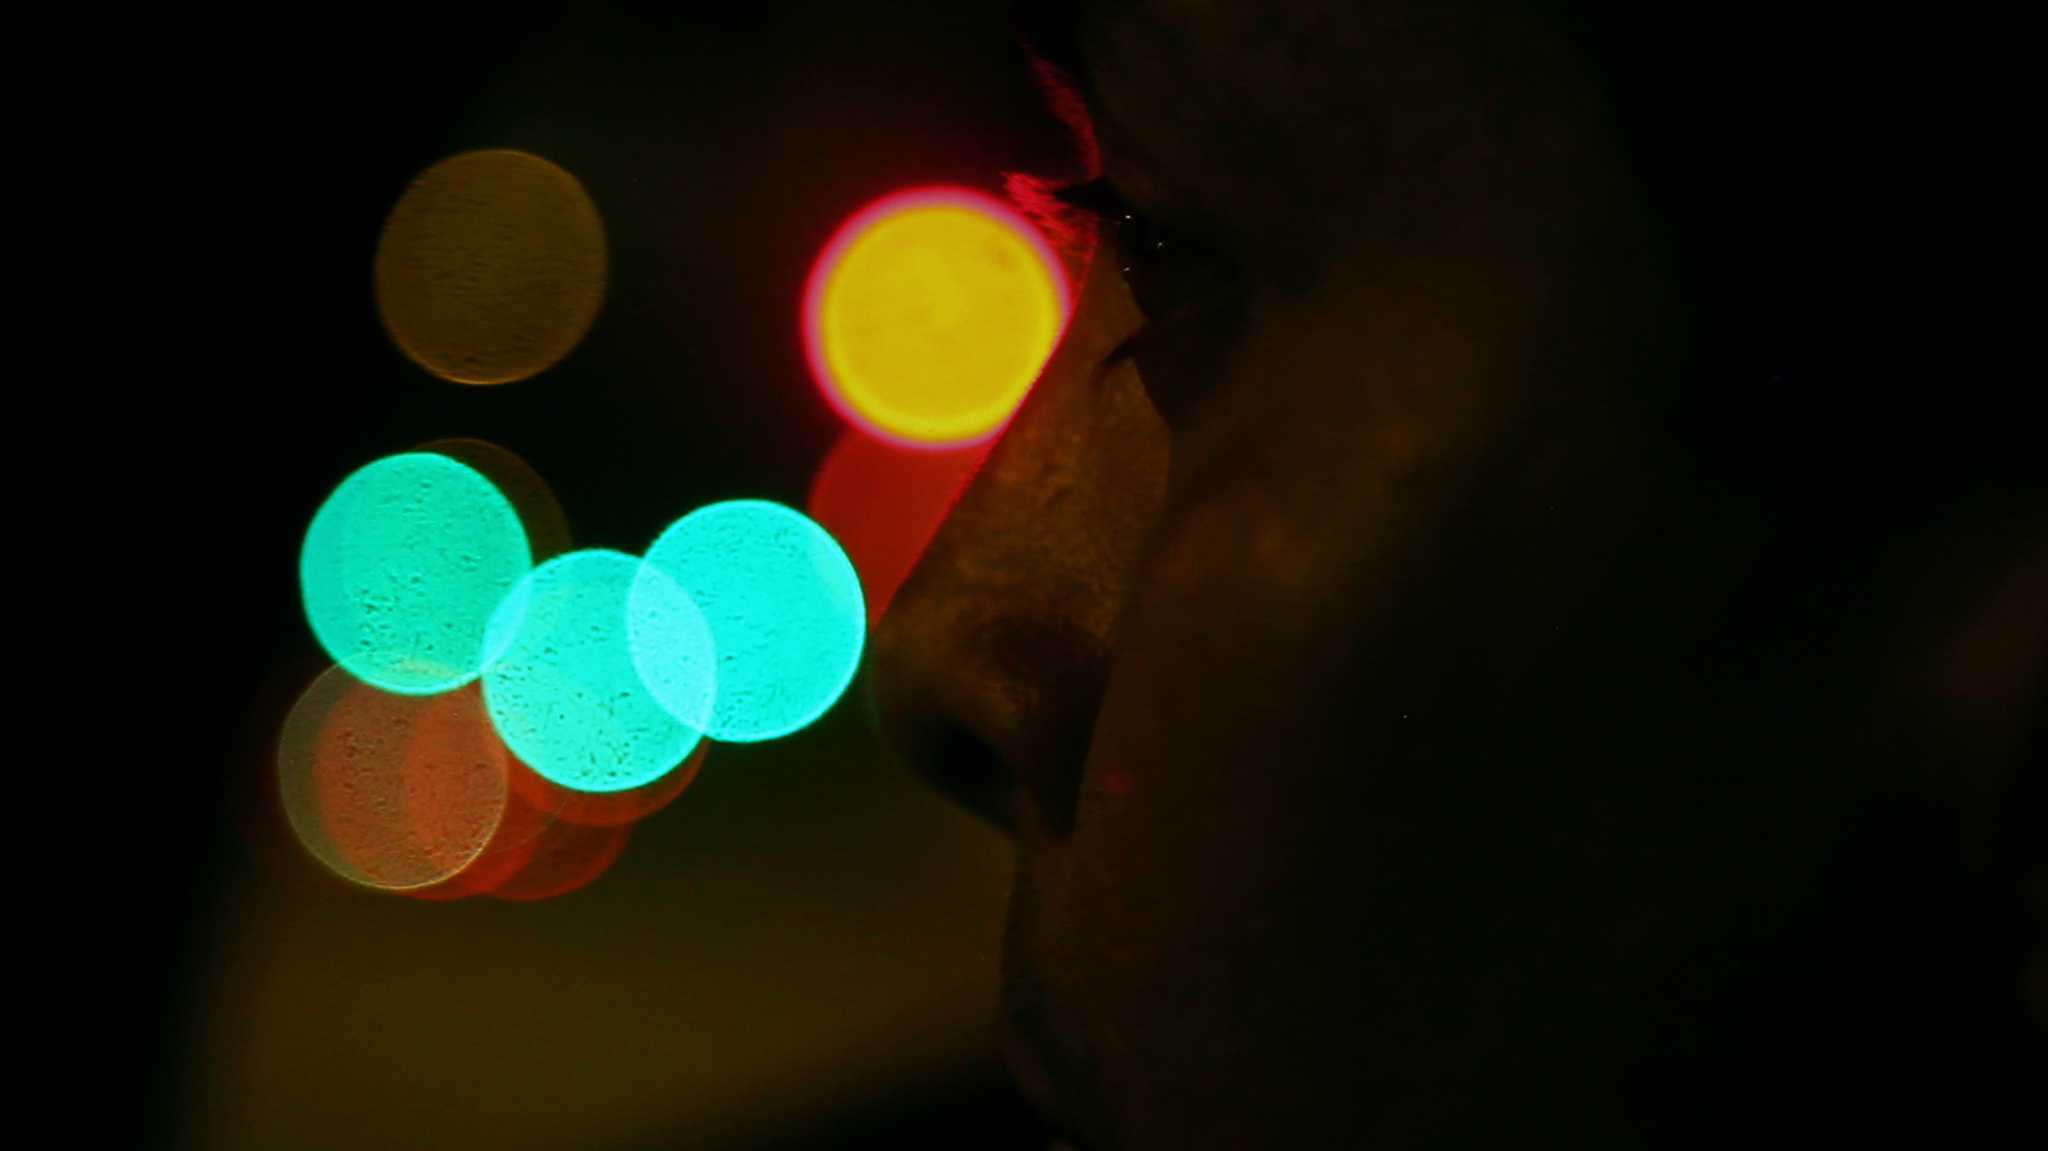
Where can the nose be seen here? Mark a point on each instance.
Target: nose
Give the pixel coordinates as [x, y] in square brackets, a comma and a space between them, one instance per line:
[989, 668]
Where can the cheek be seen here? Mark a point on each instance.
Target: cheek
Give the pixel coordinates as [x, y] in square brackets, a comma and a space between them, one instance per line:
[1240, 856]
[1171, 924]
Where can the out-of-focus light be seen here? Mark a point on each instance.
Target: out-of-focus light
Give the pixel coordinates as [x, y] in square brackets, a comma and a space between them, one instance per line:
[604, 808]
[403, 566]
[540, 511]
[510, 849]
[491, 267]
[884, 503]
[784, 608]
[391, 791]
[564, 692]
[565, 857]
[673, 649]
[538, 855]
[930, 313]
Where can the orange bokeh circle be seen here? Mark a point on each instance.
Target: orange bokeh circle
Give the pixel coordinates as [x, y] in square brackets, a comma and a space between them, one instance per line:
[930, 313]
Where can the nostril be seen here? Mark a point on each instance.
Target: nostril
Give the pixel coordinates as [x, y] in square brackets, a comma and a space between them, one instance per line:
[996, 713]
[921, 710]
[990, 664]
[959, 766]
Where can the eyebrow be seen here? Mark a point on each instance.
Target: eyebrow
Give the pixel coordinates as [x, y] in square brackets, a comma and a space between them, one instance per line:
[1051, 29]
[1050, 32]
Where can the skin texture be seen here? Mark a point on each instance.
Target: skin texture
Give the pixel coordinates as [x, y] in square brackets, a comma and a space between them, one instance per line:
[1416, 732]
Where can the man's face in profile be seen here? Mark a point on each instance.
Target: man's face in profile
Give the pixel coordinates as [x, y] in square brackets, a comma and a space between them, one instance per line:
[1414, 736]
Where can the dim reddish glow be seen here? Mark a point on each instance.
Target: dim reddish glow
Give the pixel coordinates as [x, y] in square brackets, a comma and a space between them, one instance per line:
[555, 839]
[565, 857]
[511, 848]
[929, 315]
[540, 512]
[392, 791]
[604, 808]
[540, 856]
[884, 503]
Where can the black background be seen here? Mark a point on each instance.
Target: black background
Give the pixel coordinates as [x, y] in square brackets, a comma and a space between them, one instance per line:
[200, 361]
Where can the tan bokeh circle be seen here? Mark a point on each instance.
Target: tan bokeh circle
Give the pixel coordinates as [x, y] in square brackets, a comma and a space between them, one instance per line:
[392, 791]
[491, 267]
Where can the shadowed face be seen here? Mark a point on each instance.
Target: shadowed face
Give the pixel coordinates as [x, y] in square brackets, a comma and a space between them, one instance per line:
[1413, 733]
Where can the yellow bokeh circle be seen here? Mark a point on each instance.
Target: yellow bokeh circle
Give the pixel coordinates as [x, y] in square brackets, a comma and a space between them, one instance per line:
[491, 267]
[930, 315]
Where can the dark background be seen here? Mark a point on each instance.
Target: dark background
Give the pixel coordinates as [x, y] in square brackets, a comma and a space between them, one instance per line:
[800, 952]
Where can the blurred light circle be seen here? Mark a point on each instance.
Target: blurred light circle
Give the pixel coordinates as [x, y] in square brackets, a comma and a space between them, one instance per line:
[491, 267]
[602, 808]
[391, 791]
[563, 858]
[930, 313]
[783, 605]
[672, 648]
[511, 847]
[403, 567]
[540, 511]
[563, 689]
[540, 851]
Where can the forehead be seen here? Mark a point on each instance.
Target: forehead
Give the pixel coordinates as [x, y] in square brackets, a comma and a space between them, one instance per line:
[1290, 130]
[1208, 119]
[1244, 76]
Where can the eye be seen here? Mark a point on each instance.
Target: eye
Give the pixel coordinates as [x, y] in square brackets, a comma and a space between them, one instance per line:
[1186, 289]
[1168, 274]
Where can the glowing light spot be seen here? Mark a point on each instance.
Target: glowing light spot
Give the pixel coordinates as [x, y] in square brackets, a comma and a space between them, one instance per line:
[672, 648]
[783, 605]
[538, 853]
[391, 791]
[491, 267]
[930, 314]
[604, 808]
[565, 857]
[511, 847]
[403, 566]
[540, 512]
[884, 503]
[564, 693]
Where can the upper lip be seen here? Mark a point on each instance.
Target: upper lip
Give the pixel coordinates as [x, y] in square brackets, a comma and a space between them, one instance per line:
[1028, 1073]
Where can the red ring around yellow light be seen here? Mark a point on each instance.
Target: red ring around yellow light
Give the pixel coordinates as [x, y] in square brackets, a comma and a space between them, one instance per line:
[930, 314]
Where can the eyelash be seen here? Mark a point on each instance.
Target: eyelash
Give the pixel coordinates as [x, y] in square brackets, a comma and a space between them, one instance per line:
[1186, 290]
[1169, 275]
[1099, 202]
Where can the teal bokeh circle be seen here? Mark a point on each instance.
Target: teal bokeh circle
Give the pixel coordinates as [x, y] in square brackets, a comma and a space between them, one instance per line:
[403, 566]
[563, 690]
[672, 648]
[783, 606]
